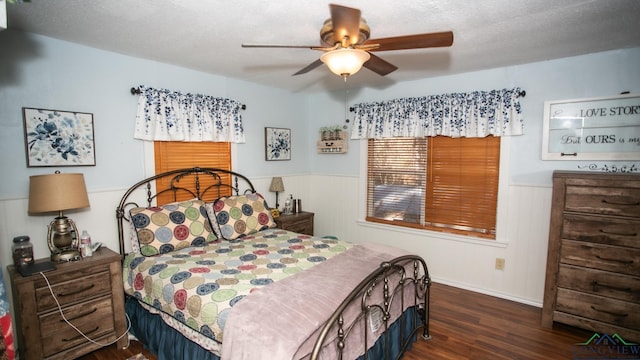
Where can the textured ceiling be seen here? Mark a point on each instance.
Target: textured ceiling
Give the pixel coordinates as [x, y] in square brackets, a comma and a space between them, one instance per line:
[205, 35]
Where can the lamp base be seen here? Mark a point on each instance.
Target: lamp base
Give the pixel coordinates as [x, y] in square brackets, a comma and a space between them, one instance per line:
[65, 256]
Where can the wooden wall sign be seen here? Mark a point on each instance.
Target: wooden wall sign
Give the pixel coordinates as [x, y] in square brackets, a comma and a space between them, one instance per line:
[601, 128]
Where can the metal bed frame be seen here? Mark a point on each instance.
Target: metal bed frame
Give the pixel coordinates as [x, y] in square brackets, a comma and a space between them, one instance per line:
[392, 278]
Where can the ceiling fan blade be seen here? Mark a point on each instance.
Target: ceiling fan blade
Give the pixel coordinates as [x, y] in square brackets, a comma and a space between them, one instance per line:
[312, 47]
[309, 67]
[379, 66]
[345, 22]
[418, 41]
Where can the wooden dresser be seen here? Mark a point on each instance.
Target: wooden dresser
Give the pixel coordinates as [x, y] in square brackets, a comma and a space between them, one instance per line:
[91, 296]
[593, 262]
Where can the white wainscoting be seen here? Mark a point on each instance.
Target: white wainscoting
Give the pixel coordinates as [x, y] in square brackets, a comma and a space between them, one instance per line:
[454, 260]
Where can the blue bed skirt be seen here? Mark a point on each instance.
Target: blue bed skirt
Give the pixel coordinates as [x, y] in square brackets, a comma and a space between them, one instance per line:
[161, 339]
[168, 344]
[409, 326]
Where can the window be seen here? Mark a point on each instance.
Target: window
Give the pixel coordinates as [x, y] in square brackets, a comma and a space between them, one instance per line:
[172, 155]
[436, 183]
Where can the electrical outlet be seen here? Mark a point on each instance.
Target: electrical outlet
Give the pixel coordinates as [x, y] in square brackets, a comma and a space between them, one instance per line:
[499, 264]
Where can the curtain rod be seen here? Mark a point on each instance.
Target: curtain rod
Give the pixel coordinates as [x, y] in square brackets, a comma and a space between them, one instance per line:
[136, 91]
[522, 93]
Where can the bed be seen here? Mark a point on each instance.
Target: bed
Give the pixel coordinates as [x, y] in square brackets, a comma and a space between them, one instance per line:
[207, 275]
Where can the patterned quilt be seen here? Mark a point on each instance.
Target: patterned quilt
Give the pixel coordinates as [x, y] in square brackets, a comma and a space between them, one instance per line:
[199, 286]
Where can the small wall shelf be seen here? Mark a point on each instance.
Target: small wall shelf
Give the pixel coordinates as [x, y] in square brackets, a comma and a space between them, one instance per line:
[336, 144]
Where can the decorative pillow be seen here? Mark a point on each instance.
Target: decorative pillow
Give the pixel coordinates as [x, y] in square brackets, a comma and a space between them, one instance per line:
[240, 215]
[133, 237]
[133, 233]
[171, 227]
[212, 218]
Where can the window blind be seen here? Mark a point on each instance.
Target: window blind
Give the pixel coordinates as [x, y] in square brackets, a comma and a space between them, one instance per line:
[396, 179]
[172, 155]
[462, 186]
[438, 183]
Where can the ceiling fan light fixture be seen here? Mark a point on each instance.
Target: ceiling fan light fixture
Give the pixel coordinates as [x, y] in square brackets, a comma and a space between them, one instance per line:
[345, 61]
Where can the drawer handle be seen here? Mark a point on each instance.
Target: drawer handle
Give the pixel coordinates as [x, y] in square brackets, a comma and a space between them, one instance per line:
[77, 291]
[609, 312]
[620, 202]
[79, 336]
[80, 315]
[626, 262]
[596, 284]
[619, 234]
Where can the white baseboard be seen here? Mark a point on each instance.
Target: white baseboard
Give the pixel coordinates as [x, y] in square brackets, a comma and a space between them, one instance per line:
[488, 292]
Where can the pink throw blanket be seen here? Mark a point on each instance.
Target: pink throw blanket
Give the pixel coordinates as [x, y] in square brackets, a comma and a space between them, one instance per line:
[275, 321]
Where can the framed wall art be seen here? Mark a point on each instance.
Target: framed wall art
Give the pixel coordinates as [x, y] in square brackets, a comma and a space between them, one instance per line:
[58, 138]
[277, 143]
[600, 128]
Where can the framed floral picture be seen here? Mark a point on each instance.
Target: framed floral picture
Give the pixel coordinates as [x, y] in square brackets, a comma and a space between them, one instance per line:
[58, 138]
[277, 143]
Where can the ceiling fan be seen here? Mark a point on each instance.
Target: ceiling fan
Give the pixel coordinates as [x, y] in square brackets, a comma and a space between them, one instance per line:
[347, 47]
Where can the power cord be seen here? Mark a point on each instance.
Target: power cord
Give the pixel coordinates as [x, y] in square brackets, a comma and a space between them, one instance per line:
[78, 330]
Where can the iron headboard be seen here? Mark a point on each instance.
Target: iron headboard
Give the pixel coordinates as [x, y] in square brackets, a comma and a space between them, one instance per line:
[191, 181]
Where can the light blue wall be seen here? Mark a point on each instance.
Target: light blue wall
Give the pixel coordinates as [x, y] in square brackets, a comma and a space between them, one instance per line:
[269, 107]
[601, 74]
[41, 72]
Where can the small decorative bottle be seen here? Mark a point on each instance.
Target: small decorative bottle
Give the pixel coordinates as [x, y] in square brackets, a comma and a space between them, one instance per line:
[287, 204]
[22, 251]
[85, 244]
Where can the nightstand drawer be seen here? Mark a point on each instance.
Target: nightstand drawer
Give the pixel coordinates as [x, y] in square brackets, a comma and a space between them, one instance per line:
[299, 226]
[301, 222]
[73, 290]
[93, 318]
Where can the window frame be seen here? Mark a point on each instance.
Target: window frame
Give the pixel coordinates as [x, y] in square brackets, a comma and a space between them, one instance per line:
[150, 162]
[501, 208]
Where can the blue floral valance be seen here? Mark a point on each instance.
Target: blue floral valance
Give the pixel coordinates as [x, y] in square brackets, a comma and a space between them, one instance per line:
[474, 114]
[165, 115]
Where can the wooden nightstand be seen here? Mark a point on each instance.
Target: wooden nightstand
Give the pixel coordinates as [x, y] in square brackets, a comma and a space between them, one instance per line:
[91, 295]
[301, 222]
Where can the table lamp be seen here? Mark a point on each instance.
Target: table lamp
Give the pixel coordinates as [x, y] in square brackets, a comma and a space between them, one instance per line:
[56, 193]
[276, 186]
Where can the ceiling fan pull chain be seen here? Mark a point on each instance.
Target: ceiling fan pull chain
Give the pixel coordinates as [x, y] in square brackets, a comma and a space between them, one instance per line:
[346, 119]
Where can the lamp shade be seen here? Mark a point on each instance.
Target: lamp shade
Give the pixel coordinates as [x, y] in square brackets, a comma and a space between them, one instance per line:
[345, 61]
[57, 192]
[276, 184]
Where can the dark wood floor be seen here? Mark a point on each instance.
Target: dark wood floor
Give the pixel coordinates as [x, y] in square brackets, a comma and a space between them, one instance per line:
[464, 325]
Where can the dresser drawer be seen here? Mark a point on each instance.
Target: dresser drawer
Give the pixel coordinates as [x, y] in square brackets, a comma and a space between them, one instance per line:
[604, 230]
[598, 282]
[611, 311]
[94, 318]
[603, 200]
[597, 256]
[70, 291]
